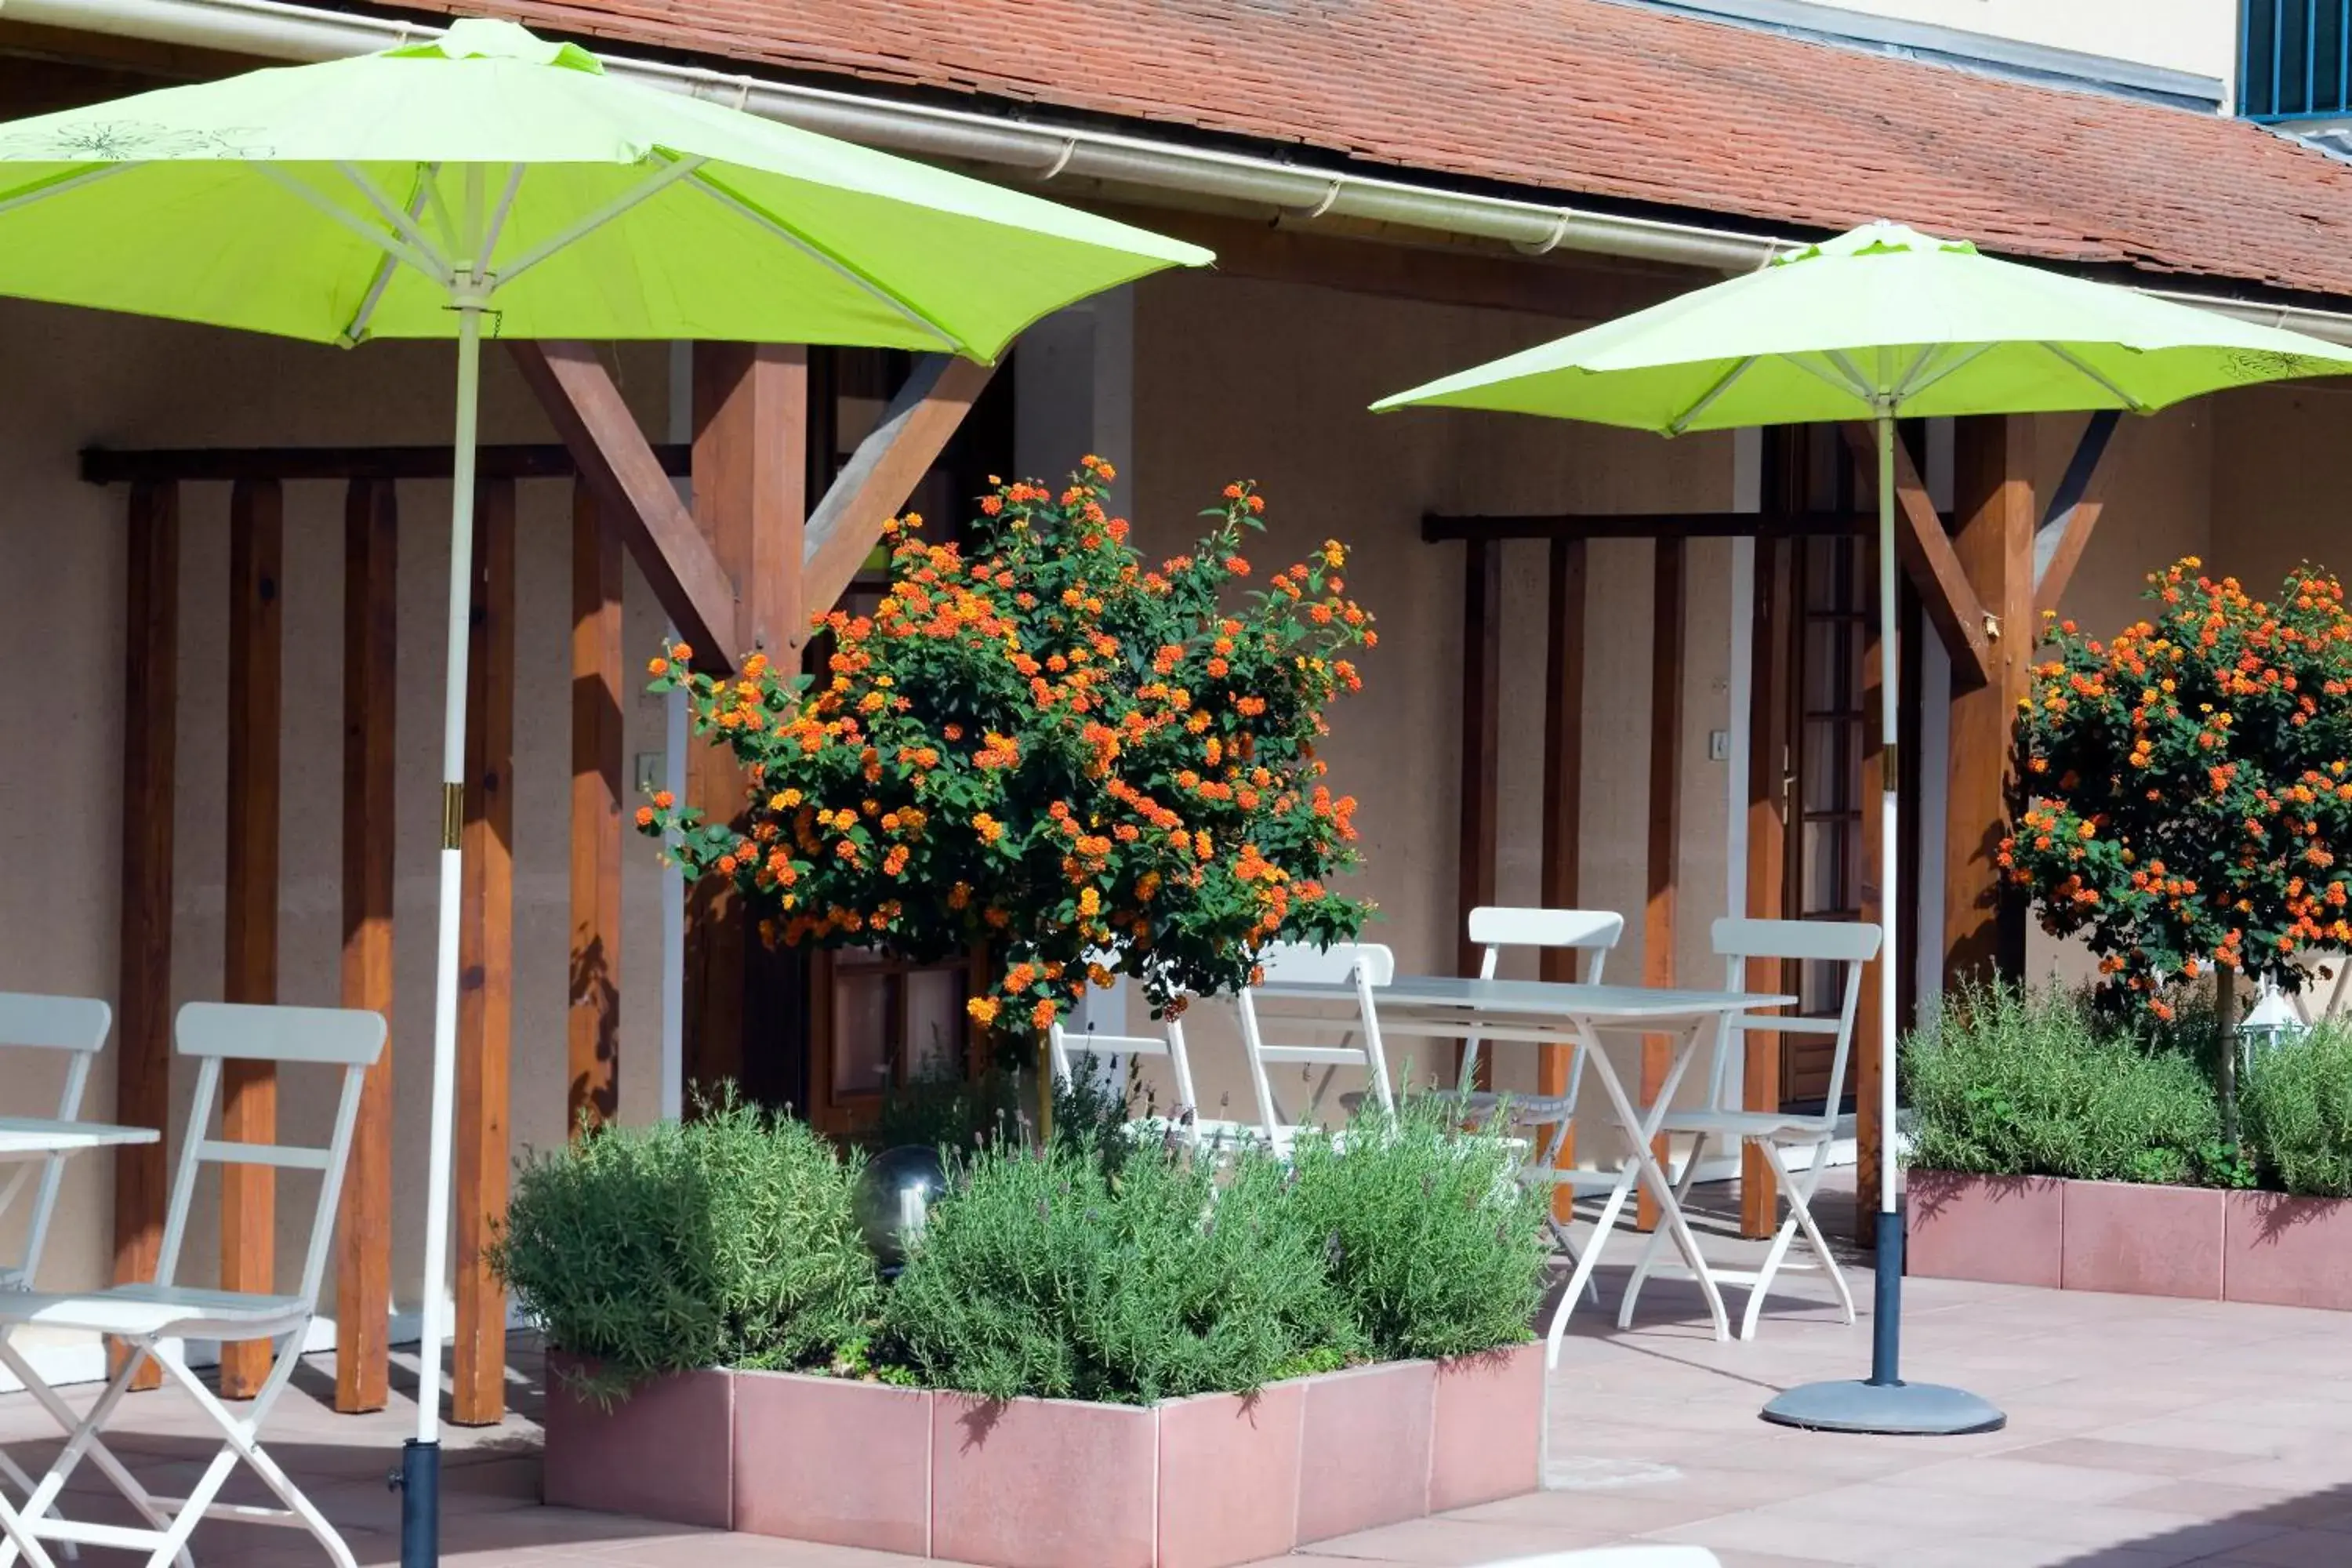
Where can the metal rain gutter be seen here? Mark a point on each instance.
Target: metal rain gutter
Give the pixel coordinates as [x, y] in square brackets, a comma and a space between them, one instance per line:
[273, 29]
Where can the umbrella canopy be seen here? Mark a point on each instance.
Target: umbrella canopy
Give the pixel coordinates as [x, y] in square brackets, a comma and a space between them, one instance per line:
[1883, 316]
[1882, 323]
[329, 202]
[488, 180]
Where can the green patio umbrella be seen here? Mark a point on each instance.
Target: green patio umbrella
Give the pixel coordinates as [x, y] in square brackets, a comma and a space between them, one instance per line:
[1880, 324]
[490, 173]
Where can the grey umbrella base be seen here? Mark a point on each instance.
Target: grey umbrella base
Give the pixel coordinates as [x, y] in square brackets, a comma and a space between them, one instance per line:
[1893, 1409]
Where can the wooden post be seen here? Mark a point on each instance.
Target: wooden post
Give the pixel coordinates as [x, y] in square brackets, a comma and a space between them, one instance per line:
[142, 1062]
[1481, 680]
[1667, 612]
[484, 964]
[1768, 828]
[594, 1026]
[370, 662]
[250, 1090]
[750, 474]
[1563, 803]
[1869, 1135]
[1993, 484]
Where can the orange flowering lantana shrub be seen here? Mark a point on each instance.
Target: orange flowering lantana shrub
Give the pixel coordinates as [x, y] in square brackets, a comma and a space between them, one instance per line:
[2189, 784]
[1052, 753]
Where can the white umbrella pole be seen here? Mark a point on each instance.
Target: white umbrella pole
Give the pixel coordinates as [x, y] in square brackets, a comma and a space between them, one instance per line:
[1886, 1341]
[421, 1468]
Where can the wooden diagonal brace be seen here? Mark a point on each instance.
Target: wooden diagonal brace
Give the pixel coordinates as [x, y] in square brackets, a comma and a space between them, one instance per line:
[1925, 552]
[621, 467]
[882, 473]
[2073, 514]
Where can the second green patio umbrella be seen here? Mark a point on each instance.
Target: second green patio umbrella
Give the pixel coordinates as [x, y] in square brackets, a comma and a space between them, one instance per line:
[488, 175]
[1880, 324]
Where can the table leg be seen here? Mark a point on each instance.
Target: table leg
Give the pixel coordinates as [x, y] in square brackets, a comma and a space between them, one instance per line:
[1643, 1131]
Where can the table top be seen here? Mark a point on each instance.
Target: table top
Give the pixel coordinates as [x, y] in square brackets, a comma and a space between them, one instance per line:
[22, 1135]
[1537, 998]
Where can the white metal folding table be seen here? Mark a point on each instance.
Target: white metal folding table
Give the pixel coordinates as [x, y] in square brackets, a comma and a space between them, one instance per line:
[1551, 1013]
[31, 1143]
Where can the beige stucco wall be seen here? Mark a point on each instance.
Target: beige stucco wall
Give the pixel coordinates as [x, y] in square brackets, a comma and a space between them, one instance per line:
[75, 379]
[1237, 377]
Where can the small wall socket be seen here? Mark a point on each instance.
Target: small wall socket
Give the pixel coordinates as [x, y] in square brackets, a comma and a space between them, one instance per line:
[649, 771]
[1718, 745]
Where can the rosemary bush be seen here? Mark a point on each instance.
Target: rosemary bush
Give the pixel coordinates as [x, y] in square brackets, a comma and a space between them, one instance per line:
[1044, 1274]
[1436, 1246]
[2296, 1112]
[2012, 1081]
[723, 1241]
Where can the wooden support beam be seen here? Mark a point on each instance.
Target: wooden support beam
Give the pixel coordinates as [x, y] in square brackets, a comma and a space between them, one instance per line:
[1769, 774]
[1668, 612]
[1925, 552]
[142, 1058]
[485, 965]
[1868, 1133]
[588, 411]
[1984, 920]
[1563, 803]
[882, 473]
[2073, 514]
[593, 1024]
[371, 670]
[250, 1090]
[1482, 682]
[536, 460]
[1436, 527]
[750, 454]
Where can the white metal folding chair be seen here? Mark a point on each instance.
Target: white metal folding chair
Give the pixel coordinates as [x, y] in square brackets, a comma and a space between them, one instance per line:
[1065, 1048]
[1775, 1133]
[143, 1316]
[1581, 932]
[76, 1025]
[1326, 1038]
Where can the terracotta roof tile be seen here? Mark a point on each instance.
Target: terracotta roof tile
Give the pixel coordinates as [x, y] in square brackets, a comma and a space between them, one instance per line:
[1586, 98]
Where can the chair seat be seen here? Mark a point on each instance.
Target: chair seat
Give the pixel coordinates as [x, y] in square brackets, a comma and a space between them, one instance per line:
[1743, 1123]
[143, 1310]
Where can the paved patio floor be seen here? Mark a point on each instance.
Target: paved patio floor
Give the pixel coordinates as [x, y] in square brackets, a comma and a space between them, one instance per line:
[2142, 1433]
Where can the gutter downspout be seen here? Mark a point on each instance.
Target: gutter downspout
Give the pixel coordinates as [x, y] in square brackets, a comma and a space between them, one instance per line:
[273, 29]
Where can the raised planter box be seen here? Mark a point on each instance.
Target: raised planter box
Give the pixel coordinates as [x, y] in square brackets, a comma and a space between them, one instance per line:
[1209, 1482]
[2116, 1236]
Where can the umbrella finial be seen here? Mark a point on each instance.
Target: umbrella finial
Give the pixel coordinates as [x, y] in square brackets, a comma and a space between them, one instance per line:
[492, 38]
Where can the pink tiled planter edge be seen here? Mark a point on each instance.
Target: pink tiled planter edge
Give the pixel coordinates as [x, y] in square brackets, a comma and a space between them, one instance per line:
[2129, 1239]
[1037, 1483]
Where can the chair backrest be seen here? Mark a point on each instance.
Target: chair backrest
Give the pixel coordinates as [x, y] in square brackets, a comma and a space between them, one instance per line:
[1302, 963]
[76, 1026]
[1333, 1039]
[1594, 932]
[1062, 1047]
[215, 1032]
[1849, 942]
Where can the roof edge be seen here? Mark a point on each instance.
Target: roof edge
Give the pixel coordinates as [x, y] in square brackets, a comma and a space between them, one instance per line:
[1046, 151]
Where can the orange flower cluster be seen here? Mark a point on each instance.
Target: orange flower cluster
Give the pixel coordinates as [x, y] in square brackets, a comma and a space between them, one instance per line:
[1035, 745]
[2192, 782]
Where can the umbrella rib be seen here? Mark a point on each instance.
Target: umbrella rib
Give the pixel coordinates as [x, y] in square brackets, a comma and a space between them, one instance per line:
[1851, 389]
[1682, 422]
[499, 215]
[355, 329]
[58, 186]
[1959, 363]
[2128, 401]
[392, 244]
[810, 248]
[400, 221]
[675, 169]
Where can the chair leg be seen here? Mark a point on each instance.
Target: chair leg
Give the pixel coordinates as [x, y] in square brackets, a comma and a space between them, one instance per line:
[82, 1436]
[1800, 1219]
[1658, 1238]
[241, 1442]
[17, 1539]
